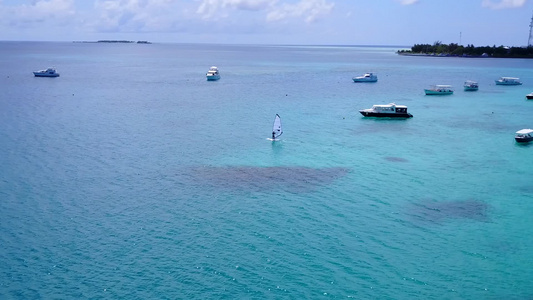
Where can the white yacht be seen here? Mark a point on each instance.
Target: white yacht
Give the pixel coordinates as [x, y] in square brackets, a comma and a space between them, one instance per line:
[213, 74]
[439, 89]
[367, 77]
[50, 72]
[390, 110]
[508, 81]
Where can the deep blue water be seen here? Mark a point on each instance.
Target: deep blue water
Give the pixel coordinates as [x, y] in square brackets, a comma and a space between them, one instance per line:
[132, 177]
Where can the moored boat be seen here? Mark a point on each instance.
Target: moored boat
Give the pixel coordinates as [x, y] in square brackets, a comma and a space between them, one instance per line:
[213, 74]
[524, 136]
[439, 89]
[508, 81]
[367, 77]
[529, 96]
[390, 110]
[470, 86]
[50, 72]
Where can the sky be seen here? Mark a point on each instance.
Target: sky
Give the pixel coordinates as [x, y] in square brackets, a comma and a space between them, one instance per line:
[293, 22]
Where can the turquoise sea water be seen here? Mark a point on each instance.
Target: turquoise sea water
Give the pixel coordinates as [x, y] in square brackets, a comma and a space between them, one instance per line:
[132, 177]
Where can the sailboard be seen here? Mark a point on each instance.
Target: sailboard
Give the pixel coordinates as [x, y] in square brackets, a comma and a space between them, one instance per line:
[276, 128]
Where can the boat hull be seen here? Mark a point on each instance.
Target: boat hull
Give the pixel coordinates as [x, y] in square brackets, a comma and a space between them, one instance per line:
[507, 83]
[386, 115]
[529, 97]
[213, 78]
[45, 74]
[364, 80]
[523, 139]
[470, 89]
[431, 92]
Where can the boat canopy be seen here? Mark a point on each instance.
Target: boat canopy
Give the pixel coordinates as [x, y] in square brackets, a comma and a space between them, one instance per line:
[446, 86]
[509, 78]
[524, 131]
[388, 105]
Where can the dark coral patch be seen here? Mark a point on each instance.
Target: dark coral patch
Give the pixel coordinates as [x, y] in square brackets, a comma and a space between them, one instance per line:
[395, 159]
[295, 179]
[434, 211]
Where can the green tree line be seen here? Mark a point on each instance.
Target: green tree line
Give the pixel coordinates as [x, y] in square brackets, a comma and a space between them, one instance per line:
[453, 49]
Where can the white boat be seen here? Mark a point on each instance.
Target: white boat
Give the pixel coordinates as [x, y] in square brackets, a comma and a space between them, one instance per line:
[276, 128]
[529, 96]
[439, 89]
[470, 85]
[508, 81]
[390, 110]
[213, 74]
[367, 77]
[50, 72]
[524, 136]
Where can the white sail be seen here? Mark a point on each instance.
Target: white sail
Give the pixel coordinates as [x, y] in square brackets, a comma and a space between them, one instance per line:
[276, 129]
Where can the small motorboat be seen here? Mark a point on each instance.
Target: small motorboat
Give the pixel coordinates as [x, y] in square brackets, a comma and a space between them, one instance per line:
[213, 74]
[367, 77]
[524, 136]
[439, 89]
[390, 110]
[50, 72]
[471, 86]
[529, 96]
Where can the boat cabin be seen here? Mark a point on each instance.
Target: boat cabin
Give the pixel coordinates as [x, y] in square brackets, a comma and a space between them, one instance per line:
[213, 70]
[525, 133]
[442, 87]
[511, 79]
[390, 108]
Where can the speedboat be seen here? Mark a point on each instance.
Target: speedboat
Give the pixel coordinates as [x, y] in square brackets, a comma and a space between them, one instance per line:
[508, 81]
[213, 74]
[367, 77]
[529, 96]
[439, 89]
[524, 136]
[470, 86]
[50, 72]
[390, 110]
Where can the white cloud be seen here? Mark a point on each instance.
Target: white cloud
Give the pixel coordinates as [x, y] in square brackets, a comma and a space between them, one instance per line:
[216, 9]
[249, 4]
[502, 4]
[133, 15]
[210, 8]
[407, 2]
[310, 10]
[51, 11]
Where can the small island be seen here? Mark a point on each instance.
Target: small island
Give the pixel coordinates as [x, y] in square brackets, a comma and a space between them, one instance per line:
[115, 42]
[440, 49]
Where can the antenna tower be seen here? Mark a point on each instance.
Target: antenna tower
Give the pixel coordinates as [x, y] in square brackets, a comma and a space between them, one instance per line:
[530, 32]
